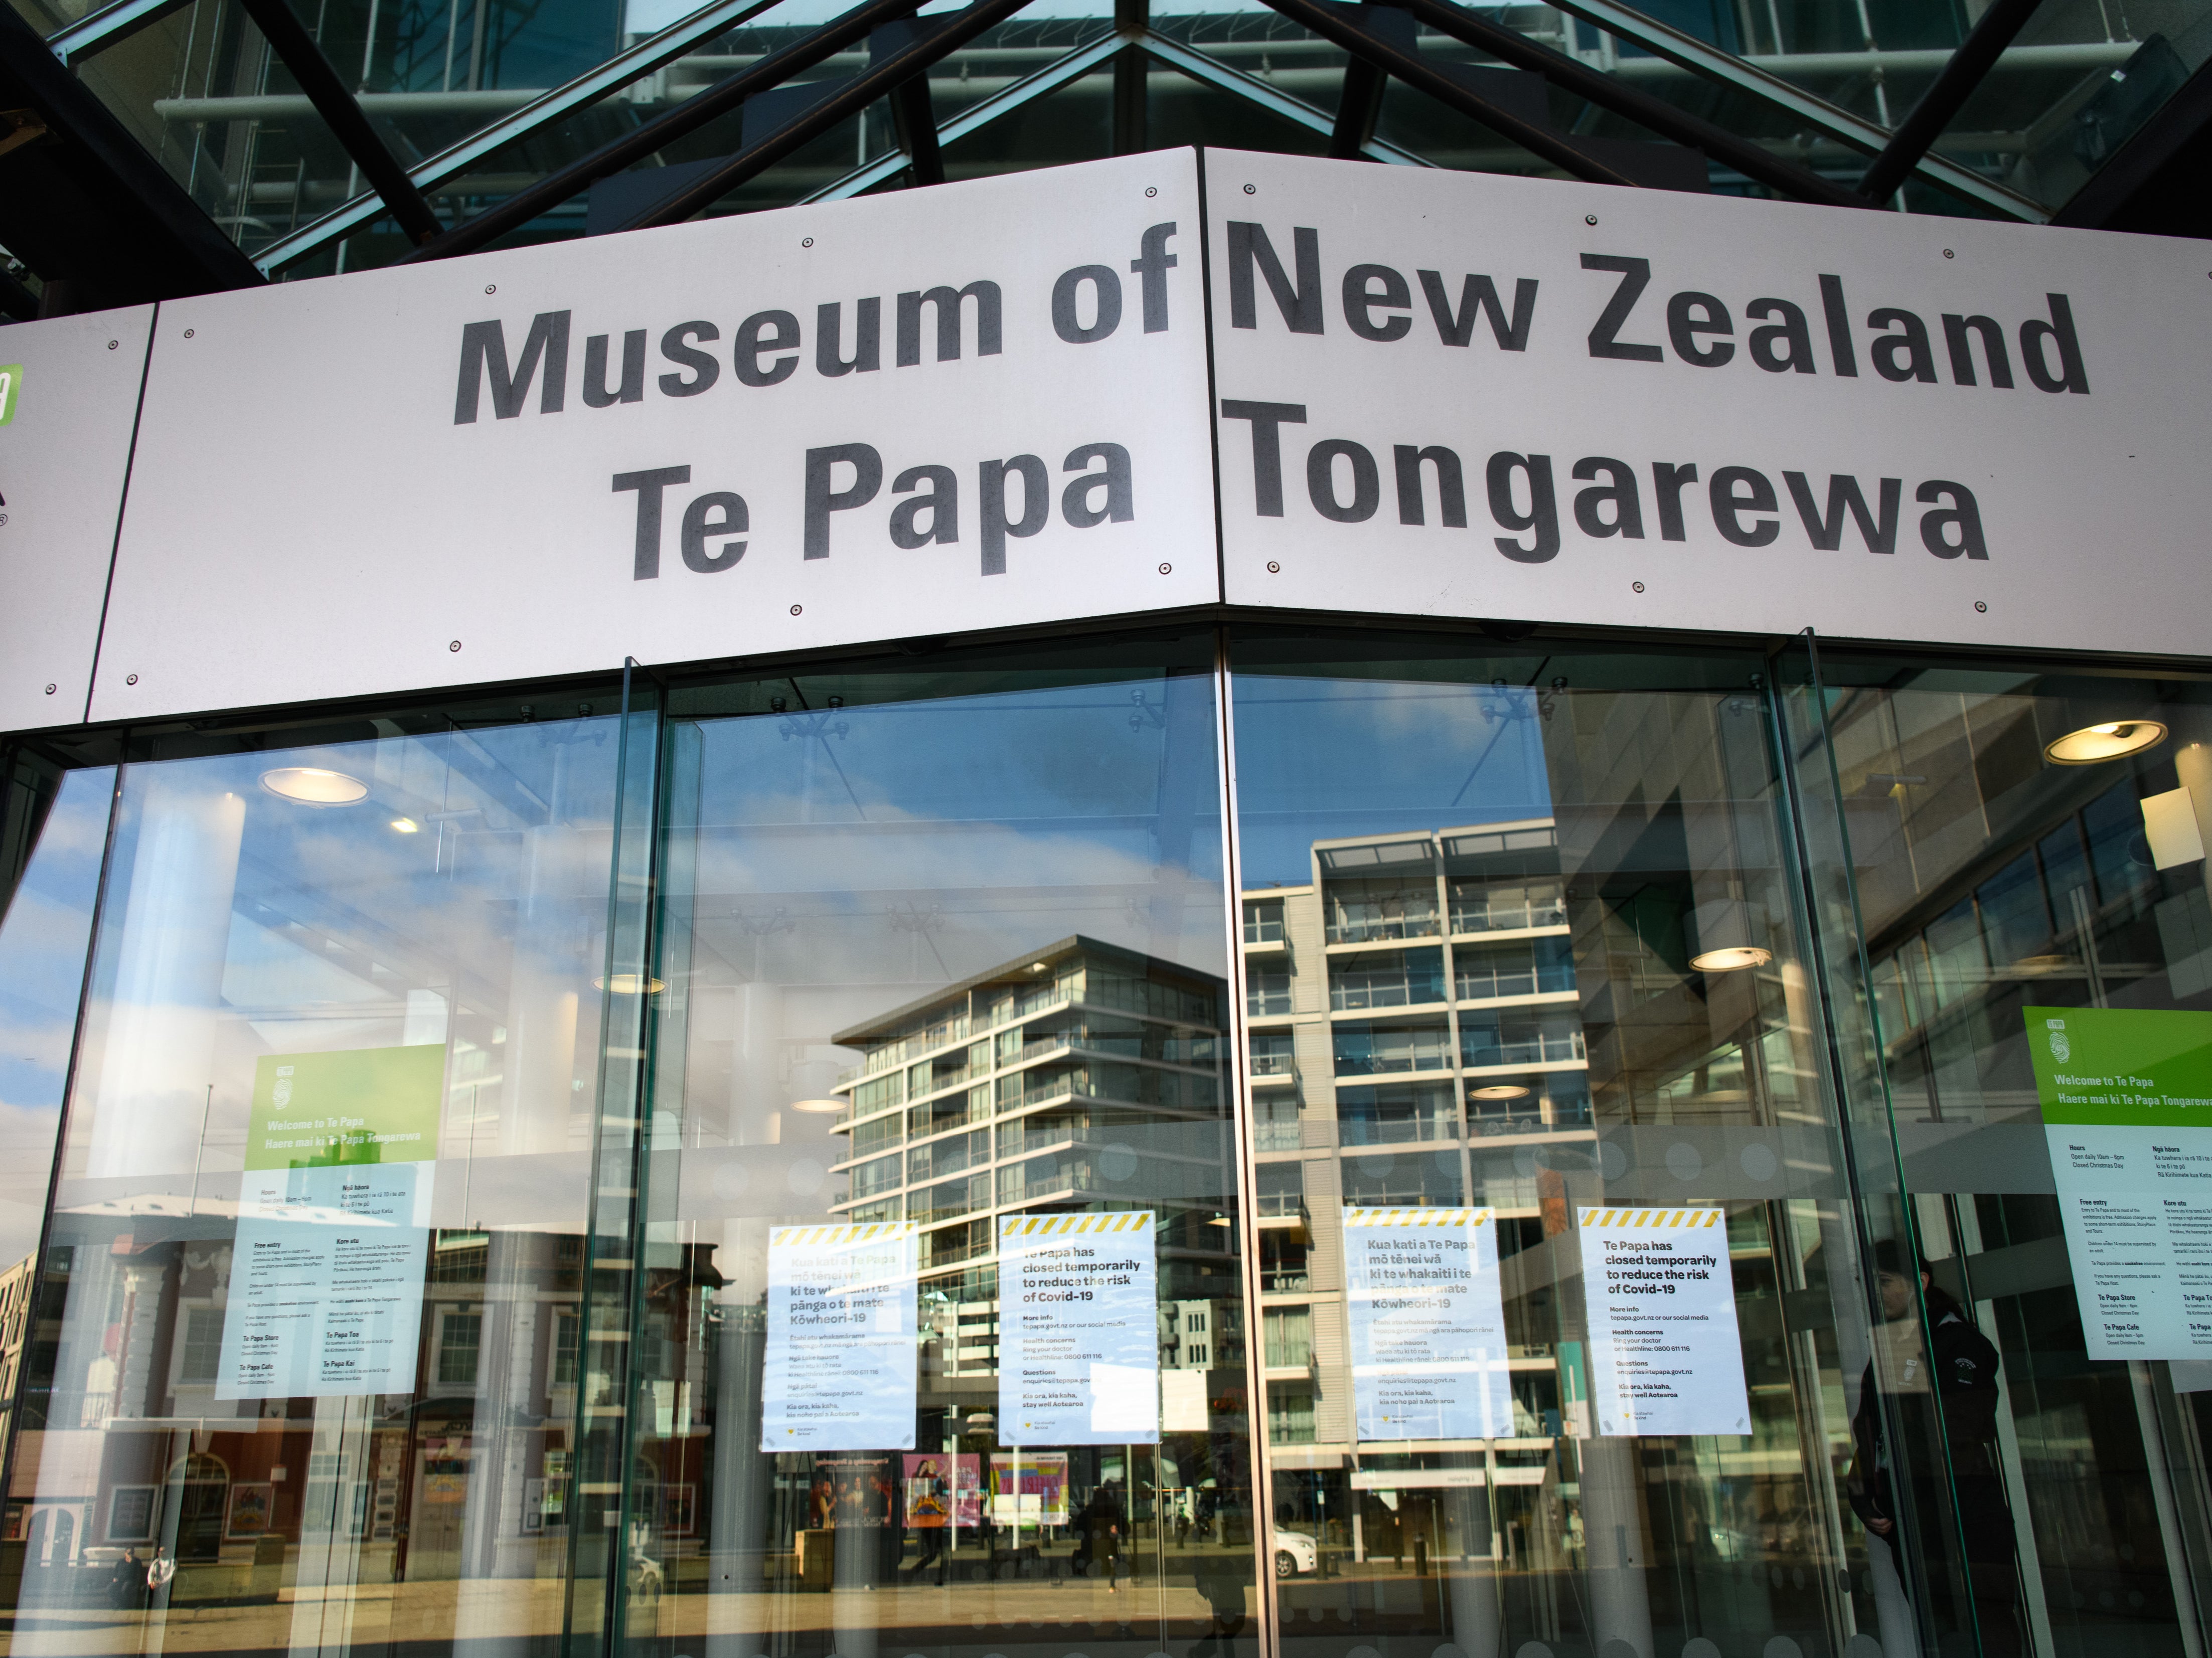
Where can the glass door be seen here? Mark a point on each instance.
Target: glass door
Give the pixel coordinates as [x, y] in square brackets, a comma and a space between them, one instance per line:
[1560, 1268]
[2023, 853]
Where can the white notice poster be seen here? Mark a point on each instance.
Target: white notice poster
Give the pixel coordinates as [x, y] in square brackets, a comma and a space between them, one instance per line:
[1079, 1330]
[1661, 1301]
[840, 1368]
[1428, 1330]
[333, 1233]
[2127, 1098]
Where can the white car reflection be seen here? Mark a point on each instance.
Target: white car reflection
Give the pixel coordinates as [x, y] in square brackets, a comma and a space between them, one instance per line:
[1295, 1552]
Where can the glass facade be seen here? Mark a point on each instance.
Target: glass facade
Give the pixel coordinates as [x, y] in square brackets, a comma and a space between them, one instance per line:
[964, 1133]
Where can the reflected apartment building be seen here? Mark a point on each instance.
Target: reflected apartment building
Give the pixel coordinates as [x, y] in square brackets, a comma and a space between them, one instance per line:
[1417, 1038]
[1065, 1079]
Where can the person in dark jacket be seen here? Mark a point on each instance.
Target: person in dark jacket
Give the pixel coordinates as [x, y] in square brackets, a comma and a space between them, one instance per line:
[1107, 1519]
[1958, 1369]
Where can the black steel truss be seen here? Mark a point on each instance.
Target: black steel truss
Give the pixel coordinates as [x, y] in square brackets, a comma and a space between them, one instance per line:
[1376, 37]
[1969, 66]
[290, 39]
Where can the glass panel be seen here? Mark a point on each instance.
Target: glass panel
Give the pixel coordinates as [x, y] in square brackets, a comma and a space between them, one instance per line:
[1628, 1044]
[2026, 849]
[975, 905]
[311, 1379]
[53, 831]
[2077, 83]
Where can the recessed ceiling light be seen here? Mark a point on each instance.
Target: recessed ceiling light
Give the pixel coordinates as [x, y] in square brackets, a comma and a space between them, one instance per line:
[1039, 967]
[1499, 1091]
[628, 984]
[819, 1107]
[1732, 958]
[313, 785]
[1221, 1220]
[2114, 740]
[406, 825]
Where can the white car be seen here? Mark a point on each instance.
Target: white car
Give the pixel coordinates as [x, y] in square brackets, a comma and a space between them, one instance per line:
[1295, 1552]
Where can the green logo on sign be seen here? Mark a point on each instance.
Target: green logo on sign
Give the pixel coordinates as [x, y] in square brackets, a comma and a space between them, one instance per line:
[12, 386]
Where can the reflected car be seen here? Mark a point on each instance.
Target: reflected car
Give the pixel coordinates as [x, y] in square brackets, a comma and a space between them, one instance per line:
[1295, 1552]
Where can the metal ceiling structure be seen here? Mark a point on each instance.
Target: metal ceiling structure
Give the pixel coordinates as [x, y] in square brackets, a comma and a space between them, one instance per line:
[98, 213]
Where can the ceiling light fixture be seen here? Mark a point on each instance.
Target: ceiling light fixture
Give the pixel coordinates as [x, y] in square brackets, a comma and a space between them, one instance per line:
[1499, 1091]
[819, 1108]
[628, 984]
[1732, 958]
[406, 825]
[2114, 740]
[314, 785]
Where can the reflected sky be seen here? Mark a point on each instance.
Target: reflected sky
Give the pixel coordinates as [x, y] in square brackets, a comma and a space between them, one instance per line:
[1319, 759]
[908, 844]
[43, 935]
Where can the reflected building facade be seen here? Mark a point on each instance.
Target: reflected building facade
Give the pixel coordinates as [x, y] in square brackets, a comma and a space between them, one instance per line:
[1690, 929]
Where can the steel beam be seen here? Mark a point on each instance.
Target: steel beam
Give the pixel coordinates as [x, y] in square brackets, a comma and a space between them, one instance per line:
[1752, 77]
[288, 38]
[86, 206]
[1074, 66]
[1132, 18]
[948, 34]
[1334, 23]
[103, 28]
[1211, 71]
[1359, 101]
[1976, 55]
[586, 90]
[725, 95]
[1754, 160]
[913, 117]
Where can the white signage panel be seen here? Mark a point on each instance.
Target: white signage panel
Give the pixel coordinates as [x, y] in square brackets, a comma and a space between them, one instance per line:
[1429, 1356]
[69, 393]
[326, 1282]
[2126, 1096]
[928, 411]
[333, 1238]
[1078, 1329]
[839, 1373]
[1461, 394]
[1661, 1298]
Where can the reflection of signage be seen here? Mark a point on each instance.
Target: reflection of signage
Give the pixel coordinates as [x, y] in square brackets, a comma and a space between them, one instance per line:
[944, 1490]
[852, 1491]
[1660, 1295]
[1030, 1487]
[249, 1506]
[2127, 1101]
[449, 1486]
[839, 1373]
[333, 1218]
[1428, 1331]
[1078, 1329]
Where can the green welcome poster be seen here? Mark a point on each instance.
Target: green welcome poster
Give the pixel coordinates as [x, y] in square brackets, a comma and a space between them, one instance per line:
[2126, 1095]
[333, 1224]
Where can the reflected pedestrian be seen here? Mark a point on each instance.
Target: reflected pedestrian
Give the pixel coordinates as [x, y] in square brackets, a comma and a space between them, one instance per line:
[127, 1580]
[1106, 1518]
[1964, 1364]
[160, 1571]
